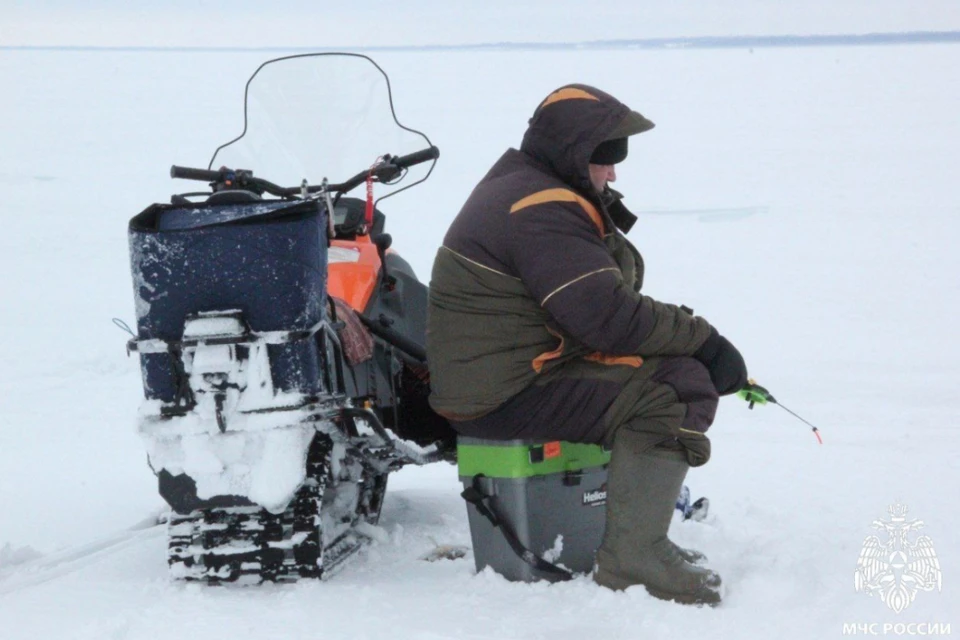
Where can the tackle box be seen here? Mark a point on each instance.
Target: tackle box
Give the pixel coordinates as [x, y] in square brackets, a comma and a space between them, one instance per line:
[551, 495]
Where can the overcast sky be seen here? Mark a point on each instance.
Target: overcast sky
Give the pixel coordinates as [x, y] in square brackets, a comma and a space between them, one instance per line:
[249, 23]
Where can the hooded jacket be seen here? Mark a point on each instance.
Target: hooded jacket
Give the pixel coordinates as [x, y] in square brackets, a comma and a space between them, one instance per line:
[534, 272]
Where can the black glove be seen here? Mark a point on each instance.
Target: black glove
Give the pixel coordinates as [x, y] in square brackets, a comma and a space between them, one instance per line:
[728, 372]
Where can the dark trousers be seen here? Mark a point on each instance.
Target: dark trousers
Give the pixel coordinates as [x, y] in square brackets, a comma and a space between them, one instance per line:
[669, 401]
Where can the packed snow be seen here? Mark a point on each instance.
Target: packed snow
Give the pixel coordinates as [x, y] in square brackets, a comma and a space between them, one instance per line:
[803, 200]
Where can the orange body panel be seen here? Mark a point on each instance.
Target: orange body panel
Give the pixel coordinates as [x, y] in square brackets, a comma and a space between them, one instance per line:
[352, 271]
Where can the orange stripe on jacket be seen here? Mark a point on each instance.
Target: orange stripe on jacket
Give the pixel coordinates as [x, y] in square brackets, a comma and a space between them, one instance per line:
[560, 195]
[546, 356]
[630, 361]
[568, 94]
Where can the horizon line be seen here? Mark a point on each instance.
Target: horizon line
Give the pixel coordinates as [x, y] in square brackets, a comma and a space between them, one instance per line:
[694, 42]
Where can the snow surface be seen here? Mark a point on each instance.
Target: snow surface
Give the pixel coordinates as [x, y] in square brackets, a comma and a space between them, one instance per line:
[802, 200]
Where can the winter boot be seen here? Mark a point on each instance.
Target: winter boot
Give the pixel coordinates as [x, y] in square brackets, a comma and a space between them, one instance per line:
[642, 487]
[690, 555]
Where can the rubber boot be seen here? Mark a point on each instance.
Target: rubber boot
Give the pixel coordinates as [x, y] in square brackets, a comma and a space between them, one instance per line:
[642, 487]
[690, 555]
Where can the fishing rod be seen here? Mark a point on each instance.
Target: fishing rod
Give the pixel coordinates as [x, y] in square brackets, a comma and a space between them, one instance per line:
[755, 394]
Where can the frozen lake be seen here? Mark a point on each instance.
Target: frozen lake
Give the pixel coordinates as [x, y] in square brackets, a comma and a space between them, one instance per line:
[802, 199]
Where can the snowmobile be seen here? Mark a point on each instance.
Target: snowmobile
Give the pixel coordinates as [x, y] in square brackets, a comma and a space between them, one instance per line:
[281, 340]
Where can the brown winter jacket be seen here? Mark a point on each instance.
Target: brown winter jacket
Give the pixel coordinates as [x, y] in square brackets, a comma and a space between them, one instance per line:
[533, 271]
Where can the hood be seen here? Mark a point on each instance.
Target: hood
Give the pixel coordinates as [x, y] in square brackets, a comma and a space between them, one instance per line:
[569, 124]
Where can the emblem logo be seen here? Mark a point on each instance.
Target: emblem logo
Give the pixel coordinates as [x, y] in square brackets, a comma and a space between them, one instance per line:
[896, 570]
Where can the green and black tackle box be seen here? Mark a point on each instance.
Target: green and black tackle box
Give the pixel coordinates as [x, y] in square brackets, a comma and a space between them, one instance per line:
[548, 501]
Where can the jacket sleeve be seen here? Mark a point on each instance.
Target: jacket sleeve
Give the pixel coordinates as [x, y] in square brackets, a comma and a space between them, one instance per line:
[559, 254]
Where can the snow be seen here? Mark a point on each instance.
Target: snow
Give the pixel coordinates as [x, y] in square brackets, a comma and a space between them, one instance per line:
[263, 455]
[803, 200]
[553, 554]
[266, 466]
[144, 255]
[213, 324]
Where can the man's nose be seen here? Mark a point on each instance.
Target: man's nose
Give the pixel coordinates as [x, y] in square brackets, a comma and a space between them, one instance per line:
[612, 174]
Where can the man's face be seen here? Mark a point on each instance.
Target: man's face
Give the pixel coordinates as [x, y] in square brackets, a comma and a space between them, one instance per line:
[601, 174]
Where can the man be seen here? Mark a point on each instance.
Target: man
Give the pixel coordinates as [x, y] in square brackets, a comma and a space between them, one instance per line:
[537, 330]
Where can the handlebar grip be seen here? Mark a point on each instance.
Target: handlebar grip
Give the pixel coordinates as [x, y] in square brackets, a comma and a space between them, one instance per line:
[188, 173]
[416, 157]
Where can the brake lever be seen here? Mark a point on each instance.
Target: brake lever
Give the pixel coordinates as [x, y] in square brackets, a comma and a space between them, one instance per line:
[387, 171]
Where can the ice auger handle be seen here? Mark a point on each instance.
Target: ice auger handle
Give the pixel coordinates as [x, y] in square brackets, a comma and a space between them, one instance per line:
[416, 157]
[188, 173]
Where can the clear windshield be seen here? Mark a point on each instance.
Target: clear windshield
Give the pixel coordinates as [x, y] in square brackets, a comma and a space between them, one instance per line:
[315, 116]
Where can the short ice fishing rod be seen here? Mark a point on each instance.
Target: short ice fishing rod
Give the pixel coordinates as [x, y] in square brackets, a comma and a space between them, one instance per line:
[755, 394]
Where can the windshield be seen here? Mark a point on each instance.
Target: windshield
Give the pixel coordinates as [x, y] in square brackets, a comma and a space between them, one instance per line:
[320, 115]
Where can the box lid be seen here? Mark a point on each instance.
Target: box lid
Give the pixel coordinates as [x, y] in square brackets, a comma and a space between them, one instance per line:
[521, 459]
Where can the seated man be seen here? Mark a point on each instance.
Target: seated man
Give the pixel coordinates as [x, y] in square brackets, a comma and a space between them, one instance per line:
[537, 330]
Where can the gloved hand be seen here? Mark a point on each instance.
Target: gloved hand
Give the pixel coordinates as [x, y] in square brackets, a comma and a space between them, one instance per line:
[755, 394]
[728, 371]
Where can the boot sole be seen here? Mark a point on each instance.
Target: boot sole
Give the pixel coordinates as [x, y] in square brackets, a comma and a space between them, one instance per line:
[708, 597]
[616, 583]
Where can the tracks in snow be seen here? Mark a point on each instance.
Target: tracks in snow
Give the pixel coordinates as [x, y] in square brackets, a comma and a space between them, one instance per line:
[55, 565]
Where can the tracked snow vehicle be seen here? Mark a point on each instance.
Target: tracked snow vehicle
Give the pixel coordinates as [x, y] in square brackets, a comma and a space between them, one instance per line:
[280, 338]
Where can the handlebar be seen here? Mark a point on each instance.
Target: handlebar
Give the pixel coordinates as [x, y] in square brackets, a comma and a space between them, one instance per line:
[416, 157]
[387, 170]
[188, 173]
